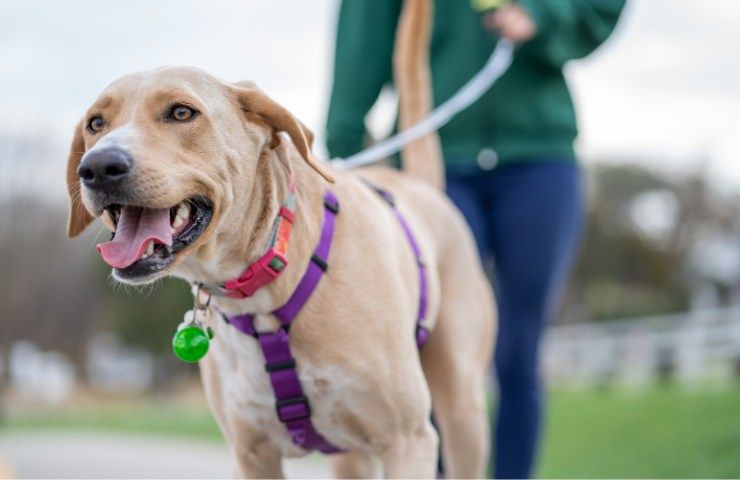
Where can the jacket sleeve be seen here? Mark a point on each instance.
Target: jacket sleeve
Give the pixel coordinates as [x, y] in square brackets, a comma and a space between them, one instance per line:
[362, 66]
[569, 29]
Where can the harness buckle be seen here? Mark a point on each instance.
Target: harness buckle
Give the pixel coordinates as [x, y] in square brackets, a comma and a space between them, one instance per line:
[257, 275]
[292, 409]
[422, 334]
[331, 204]
[278, 366]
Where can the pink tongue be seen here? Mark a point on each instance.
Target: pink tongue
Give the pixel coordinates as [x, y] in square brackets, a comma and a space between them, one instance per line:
[136, 226]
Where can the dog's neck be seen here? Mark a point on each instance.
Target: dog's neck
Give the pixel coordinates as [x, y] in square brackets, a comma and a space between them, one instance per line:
[248, 237]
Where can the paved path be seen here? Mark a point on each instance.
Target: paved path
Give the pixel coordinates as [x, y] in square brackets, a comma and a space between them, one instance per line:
[110, 455]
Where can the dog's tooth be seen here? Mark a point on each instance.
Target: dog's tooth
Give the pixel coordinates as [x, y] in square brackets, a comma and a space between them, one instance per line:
[183, 210]
[177, 221]
[150, 248]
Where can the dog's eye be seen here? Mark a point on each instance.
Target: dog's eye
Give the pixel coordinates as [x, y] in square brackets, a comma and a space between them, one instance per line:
[181, 113]
[95, 124]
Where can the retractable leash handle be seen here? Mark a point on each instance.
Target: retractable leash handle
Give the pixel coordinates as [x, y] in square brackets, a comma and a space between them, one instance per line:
[468, 94]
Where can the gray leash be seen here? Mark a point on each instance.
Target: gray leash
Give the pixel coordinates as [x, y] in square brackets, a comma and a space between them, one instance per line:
[468, 94]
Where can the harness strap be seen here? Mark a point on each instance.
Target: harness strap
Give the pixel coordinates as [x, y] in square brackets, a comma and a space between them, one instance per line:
[422, 332]
[291, 405]
[316, 267]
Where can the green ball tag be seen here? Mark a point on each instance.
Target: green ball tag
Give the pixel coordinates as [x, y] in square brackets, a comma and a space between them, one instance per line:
[190, 343]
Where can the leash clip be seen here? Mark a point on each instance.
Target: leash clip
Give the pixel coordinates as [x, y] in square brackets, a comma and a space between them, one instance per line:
[201, 298]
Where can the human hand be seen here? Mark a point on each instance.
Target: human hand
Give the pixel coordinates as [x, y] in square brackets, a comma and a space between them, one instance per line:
[511, 22]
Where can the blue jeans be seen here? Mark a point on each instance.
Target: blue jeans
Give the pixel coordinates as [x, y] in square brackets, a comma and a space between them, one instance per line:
[527, 218]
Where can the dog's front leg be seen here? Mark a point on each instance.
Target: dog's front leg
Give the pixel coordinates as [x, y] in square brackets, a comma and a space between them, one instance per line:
[255, 456]
[354, 464]
[258, 459]
[413, 454]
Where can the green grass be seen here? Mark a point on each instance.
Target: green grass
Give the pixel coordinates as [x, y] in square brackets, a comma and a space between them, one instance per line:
[658, 433]
[158, 418]
[661, 432]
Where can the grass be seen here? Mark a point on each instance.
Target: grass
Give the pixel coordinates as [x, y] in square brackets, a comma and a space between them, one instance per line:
[657, 433]
[158, 418]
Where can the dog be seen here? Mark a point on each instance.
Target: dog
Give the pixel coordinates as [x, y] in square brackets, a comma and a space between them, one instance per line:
[191, 173]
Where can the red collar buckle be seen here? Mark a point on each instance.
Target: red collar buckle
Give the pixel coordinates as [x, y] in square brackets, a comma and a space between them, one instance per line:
[257, 275]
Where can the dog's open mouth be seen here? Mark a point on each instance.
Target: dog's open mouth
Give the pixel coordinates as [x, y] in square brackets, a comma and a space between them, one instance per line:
[146, 240]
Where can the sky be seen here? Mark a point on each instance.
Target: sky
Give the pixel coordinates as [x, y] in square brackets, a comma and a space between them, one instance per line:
[665, 88]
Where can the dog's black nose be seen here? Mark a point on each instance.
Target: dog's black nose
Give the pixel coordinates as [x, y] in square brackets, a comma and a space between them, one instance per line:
[105, 168]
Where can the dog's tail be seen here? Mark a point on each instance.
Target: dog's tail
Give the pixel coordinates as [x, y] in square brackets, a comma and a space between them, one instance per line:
[422, 159]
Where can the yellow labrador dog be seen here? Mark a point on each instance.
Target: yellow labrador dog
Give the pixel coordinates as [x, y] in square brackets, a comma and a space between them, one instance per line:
[192, 174]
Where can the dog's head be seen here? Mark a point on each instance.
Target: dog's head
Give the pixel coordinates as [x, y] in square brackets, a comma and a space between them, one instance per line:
[163, 156]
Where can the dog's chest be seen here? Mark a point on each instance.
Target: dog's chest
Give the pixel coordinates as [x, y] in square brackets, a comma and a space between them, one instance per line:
[248, 395]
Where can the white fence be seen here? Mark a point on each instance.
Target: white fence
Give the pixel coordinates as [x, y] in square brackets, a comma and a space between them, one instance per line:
[50, 377]
[688, 347]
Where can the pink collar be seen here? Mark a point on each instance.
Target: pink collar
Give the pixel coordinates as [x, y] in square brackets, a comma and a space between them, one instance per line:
[271, 264]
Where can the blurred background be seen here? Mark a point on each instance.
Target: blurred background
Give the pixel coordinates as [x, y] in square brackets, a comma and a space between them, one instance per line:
[643, 363]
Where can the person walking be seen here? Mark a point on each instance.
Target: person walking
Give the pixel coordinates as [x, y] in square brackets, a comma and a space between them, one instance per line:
[510, 164]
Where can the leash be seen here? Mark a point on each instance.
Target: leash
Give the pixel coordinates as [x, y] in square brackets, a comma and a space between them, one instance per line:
[495, 67]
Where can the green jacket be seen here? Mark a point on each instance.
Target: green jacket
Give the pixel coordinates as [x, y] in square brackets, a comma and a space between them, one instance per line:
[526, 115]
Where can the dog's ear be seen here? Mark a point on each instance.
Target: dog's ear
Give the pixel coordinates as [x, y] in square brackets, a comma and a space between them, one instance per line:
[79, 217]
[252, 99]
[308, 133]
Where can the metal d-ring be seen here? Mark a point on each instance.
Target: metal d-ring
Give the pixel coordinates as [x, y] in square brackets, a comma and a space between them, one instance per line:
[198, 303]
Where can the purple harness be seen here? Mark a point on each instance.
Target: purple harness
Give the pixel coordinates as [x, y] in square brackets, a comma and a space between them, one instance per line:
[291, 404]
